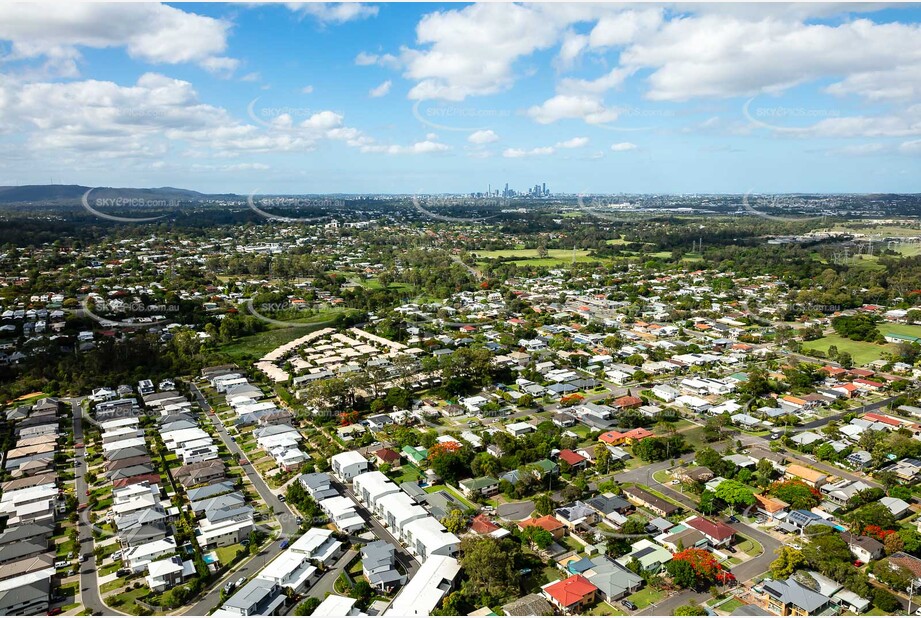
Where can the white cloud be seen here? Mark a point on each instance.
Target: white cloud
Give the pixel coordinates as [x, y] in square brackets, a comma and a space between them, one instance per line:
[307, 89]
[623, 146]
[251, 77]
[334, 12]
[483, 136]
[575, 142]
[423, 147]
[588, 108]
[517, 153]
[380, 90]
[470, 51]
[155, 33]
[364, 59]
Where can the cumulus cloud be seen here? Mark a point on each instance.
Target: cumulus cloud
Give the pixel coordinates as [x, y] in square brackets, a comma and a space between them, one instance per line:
[155, 33]
[562, 106]
[483, 136]
[623, 146]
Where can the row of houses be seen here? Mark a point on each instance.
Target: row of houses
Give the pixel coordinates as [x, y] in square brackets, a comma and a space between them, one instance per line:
[31, 502]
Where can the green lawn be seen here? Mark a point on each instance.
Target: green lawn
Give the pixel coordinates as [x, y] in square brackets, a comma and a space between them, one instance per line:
[913, 330]
[227, 554]
[861, 351]
[255, 346]
[407, 472]
[729, 606]
[529, 257]
[460, 498]
[749, 546]
[646, 597]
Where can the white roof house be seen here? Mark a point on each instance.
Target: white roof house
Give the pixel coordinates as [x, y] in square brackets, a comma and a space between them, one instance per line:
[138, 557]
[427, 537]
[426, 589]
[348, 465]
[397, 510]
[371, 487]
[343, 512]
[318, 544]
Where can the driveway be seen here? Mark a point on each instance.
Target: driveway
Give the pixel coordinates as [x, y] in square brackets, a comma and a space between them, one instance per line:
[515, 511]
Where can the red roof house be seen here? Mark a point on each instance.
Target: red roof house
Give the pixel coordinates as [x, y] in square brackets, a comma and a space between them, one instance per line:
[571, 594]
[574, 459]
[716, 532]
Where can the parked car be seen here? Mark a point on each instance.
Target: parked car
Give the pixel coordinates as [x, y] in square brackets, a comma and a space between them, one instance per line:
[54, 611]
[240, 582]
[284, 543]
[229, 587]
[123, 572]
[629, 605]
[281, 498]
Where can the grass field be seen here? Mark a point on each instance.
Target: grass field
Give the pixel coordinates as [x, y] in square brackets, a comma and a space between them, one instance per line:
[529, 257]
[913, 330]
[861, 351]
[261, 343]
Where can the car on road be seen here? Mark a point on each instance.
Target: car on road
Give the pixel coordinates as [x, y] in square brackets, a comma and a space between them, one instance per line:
[298, 520]
[774, 436]
[54, 611]
[732, 519]
[281, 498]
[243, 462]
[284, 544]
[629, 605]
[78, 445]
[229, 587]
[240, 582]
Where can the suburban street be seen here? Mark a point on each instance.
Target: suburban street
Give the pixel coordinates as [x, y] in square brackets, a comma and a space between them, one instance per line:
[282, 513]
[89, 586]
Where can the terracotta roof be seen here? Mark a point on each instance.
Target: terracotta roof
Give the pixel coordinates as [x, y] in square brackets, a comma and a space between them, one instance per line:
[571, 457]
[387, 454]
[712, 529]
[571, 590]
[547, 522]
[482, 525]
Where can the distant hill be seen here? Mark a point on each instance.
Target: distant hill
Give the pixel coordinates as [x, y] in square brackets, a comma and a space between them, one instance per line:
[65, 194]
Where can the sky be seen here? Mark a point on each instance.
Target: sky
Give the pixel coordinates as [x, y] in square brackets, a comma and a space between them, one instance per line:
[456, 98]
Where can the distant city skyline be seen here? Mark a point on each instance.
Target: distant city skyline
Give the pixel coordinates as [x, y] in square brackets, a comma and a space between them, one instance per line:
[457, 98]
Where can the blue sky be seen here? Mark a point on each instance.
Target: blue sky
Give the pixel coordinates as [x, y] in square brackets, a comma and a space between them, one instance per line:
[406, 98]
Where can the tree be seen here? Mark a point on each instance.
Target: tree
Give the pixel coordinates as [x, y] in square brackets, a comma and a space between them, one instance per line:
[490, 566]
[306, 608]
[539, 537]
[825, 551]
[455, 522]
[690, 610]
[602, 458]
[544, 504]
[872, 514]
[886, 601]
[697, 568]
[735, 493]
[485, 464]
[708, 502]
[788, 561]
[893, 543]
[797, 494]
